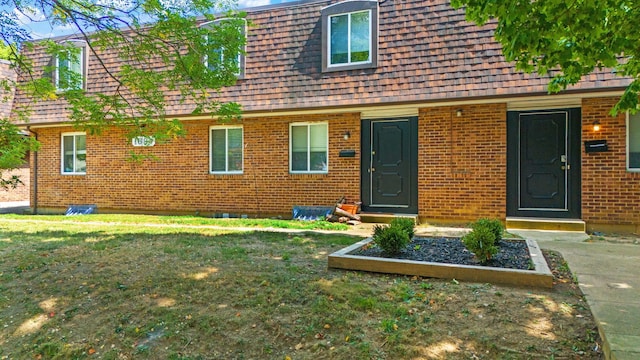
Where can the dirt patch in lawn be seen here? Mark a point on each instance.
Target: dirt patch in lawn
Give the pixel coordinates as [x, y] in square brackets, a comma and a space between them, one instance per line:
[627, 239]
[135, 292]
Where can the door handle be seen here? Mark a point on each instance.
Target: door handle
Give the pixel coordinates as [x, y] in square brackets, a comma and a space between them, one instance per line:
[373, 169]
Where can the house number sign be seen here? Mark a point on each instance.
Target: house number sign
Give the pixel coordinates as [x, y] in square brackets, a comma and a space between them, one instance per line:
[144, 141]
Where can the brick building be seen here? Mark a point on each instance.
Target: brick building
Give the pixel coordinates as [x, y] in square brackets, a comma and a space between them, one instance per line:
[422, 117]
[21, 192]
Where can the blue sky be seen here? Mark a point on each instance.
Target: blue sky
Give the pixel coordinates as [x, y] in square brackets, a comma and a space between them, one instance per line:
[36, 23]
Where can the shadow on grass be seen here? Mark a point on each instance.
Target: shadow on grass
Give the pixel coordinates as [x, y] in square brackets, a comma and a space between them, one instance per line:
[76, 291]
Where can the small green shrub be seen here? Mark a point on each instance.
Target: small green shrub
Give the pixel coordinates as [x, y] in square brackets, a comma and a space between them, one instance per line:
[494, 225]
[391, 239]
[407, 224]
[481, 242]
[378, 230]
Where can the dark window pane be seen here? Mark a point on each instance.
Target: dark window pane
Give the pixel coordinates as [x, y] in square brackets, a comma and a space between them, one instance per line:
[218, 149]
[634, 141]
[68, 156]
[299, 161]
[339, 38]
[319, 161]
[235, 149]
[360, 36]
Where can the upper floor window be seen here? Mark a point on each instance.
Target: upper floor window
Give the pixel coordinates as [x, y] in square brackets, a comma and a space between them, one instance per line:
[308, 147]
[70, 66]
[226, 144]
[218, 56]
[350, 35]
[74, 153]
[633, 142]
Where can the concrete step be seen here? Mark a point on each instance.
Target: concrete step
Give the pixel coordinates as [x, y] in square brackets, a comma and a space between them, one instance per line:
[545, 224]
[384, 218]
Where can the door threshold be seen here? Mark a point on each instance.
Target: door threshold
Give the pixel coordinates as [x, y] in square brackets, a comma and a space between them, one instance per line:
[529, 223]
[385, 218]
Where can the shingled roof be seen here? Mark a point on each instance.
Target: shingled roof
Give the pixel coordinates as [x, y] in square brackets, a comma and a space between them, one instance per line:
[6, 99]
[427, 53]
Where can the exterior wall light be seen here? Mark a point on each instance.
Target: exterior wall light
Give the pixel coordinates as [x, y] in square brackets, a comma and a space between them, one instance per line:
[459, 112]
[346, 135]
[596, 125]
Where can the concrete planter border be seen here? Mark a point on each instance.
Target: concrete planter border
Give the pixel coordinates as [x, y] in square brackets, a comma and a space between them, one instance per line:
[539, 277]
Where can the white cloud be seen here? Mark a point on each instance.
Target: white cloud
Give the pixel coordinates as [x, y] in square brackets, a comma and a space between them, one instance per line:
[28, 15]
[123, 5]
[253, 3]
[46, 31]
[175, 4]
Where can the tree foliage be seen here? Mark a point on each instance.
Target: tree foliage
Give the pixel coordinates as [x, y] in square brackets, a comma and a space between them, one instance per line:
[5, 51]
[162, 52]
[567, 39]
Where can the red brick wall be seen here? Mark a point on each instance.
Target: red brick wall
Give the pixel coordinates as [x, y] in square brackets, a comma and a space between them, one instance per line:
[461, 169]
[180, 180]
[462, 163]
[610, 194]
[20, 193]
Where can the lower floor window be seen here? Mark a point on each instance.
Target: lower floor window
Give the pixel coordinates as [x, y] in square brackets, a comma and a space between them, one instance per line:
[308, 148]
[74, 153]
[226, 149]
[633, 139]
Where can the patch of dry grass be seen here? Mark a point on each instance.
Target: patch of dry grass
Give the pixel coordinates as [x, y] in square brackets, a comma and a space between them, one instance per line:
[82, 290]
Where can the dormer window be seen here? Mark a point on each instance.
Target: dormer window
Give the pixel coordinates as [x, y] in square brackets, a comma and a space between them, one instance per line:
[350, 35]
[71, 66]
[217, 56]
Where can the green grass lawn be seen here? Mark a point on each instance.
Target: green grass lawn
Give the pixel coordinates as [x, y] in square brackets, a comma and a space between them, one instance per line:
[184, 221]
[111, 287]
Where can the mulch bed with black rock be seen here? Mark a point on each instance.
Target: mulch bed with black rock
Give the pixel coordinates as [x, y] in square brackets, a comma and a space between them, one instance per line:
[513, 254]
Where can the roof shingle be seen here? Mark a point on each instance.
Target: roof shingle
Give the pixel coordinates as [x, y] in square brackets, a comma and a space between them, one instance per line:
[427, 52]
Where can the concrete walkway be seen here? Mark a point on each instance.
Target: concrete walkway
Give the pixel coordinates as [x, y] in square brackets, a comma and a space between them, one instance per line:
[13, 207]
[608, 275]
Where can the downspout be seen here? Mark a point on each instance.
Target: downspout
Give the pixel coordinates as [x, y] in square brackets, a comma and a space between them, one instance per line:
[35, 174]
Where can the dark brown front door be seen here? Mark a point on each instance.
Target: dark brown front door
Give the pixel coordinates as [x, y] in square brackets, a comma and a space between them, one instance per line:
[389, 165]
[544, 164]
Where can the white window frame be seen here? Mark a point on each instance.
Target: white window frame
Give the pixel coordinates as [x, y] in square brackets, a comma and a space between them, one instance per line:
[82, 57]
[637, 123]
[371, 35]
[226, 128]
[75, 153]
[309, 170]
[241, 55]
[350, 7]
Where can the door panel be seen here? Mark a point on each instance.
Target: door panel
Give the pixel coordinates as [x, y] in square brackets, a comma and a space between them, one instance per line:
[543, 145]
[389, 165]
[390, 168]
[543, 163]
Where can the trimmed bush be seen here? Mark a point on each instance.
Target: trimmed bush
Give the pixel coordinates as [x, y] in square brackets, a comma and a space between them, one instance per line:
[391, 239]
[407, 224]
[481, 242]
[494, 225]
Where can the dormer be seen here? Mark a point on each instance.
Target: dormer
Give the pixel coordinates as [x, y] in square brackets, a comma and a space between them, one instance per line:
[70, 66]
[218, 56]
[350, 36]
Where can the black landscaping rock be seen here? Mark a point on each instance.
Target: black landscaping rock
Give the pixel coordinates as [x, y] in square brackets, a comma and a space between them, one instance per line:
[513, 254]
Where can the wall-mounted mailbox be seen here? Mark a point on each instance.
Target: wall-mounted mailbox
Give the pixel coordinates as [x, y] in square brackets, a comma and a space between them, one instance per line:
[347, 153]
[595, 146]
